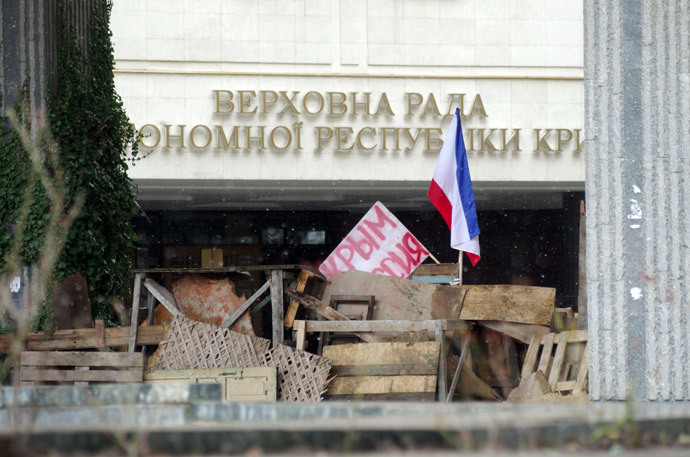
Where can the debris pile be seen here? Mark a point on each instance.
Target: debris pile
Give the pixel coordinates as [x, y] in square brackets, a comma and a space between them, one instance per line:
[354, 336]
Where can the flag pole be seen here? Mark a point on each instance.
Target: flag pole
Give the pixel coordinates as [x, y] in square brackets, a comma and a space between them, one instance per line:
[460, 267]
[434, 259]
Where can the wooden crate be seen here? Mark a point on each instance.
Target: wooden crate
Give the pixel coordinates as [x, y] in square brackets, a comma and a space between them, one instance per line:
[566, 367]
[237, 384]
[80, 368]
[384, 371]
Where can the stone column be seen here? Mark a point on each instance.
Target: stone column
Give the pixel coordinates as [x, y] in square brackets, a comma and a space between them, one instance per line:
[637, 122]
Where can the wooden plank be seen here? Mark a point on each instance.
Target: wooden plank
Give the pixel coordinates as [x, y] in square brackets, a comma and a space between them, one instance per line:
[85, 338]
[81, 383]
[361, 385]
[302, 279]
[327, 312]
[558, 360]
[458, 369]
[546, 353]
[150, 308]
[442, 376]
[424, 353]
[440, 269]
[82, 359]
[407, 299]
[400, 396]
[574, 336]
[383, 326]
[563, 386]
[582, 374]
[385, 370]
[163, 295]
[520, 332]
[522, 304]
[31, 374]
[134, 323]
[511, 359]
[99, 326]
[301, 328]
[245, 306]
[277, 309]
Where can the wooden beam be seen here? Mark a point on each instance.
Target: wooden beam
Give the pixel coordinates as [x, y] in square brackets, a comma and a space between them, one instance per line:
[582, 374]
[134, 324]
[520, 332]
[277, 306]
[99, 326]
[84, 338]
[383, 326]
[81, 359]
[531, 358]
[442, 376]
[304, 276]
[385, 370]
[574, 336]
[163, 295]
[245, 306]
[301, 328]
[545, 359]
[367, 385]
[458, 369]
[558, 360]
[82, 375]
[329, 313]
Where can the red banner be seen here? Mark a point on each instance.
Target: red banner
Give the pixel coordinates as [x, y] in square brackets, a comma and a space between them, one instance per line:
[379, 243]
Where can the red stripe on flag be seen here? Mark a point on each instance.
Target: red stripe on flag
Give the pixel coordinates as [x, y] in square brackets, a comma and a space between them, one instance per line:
[474, 258]
[440, 201]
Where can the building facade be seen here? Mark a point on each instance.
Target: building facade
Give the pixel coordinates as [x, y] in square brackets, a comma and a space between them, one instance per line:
[269, 127]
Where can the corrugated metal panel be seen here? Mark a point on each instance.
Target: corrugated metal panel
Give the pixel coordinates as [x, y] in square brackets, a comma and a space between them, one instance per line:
[637, 112]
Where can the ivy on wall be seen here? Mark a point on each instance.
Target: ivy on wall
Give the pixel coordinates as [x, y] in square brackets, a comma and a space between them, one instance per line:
[93, 133]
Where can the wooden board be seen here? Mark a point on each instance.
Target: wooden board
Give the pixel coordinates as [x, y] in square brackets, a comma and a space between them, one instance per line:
[384, 371]
[291, 313]
[134, 318]
[367, 385]
[523, 304]
[237, 384]
[85, 338]
[561, 377]
[441, 269]
[521, 332]
[163, 295]
[80, 367]
[81, 359]
[383, 353]
[406, 299]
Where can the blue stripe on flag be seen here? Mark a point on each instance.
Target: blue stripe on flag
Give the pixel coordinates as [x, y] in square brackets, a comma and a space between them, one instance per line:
[464, 181]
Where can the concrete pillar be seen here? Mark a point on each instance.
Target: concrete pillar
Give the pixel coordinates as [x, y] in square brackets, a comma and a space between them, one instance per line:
[637, 121]
[23, 36]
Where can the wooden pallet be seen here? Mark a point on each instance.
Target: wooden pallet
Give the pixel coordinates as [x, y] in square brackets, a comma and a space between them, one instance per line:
[83, 338]
[564, 373]
[80, 368]
[384, 371]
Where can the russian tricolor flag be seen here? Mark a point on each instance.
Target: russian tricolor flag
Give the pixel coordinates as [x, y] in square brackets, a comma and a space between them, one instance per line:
[451, 192]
